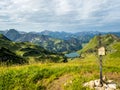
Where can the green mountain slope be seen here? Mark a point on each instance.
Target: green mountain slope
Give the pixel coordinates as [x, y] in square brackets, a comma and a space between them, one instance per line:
[48, 42]
[115, 50]
[25, 50]
[20, 46]
[58, 45]
[2, 37]
[9, 57]
[6, 51]
[107, 41]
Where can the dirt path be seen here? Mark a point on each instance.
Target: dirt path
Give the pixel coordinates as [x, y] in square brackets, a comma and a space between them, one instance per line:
[60, 82]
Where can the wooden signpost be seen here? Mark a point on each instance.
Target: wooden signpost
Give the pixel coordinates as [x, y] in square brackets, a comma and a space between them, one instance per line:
[101, 52]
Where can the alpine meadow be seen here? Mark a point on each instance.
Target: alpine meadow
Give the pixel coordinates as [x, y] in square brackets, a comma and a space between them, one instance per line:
[59, 45]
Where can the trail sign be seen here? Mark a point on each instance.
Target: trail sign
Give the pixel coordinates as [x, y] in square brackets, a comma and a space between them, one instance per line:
[101, 51]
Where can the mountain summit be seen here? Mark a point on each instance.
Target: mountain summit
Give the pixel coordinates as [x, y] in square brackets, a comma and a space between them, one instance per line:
[12, 34]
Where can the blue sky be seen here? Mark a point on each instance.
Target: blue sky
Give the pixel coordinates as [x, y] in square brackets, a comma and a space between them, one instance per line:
[60, 15]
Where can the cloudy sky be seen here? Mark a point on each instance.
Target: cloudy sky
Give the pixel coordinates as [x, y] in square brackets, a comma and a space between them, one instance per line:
[60, 15]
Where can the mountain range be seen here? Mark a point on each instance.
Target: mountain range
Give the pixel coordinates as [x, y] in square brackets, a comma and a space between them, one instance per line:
[23, 52]
[54, 41]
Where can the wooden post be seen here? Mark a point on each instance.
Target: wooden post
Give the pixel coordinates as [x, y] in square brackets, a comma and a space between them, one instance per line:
[101, 52]
[101, 80]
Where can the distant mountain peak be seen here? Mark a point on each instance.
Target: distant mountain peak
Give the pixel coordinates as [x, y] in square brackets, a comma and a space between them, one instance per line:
[12, 34]
[12, 30]
[46, 32]
[4, 37]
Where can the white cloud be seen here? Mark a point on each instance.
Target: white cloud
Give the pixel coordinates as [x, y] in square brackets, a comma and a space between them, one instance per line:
[61, 7]
[58, 14]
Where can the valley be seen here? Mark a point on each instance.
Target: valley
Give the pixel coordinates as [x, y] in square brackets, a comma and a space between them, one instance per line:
[26, 65]
[59, 44]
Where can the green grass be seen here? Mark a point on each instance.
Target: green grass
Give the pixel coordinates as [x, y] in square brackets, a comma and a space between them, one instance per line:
[39, 76]
[115, 52]
[107, 41]
[91, 45]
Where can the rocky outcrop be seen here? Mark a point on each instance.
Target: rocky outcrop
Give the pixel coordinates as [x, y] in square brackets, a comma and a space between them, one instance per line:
[107, 85]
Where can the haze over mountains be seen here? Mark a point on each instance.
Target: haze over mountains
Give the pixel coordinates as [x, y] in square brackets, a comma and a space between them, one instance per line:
[59, 44]
[18, 47]
[22, 52]
[54, 41]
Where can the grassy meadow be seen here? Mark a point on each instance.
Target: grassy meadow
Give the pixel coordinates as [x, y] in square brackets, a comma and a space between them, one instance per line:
[58, 76]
